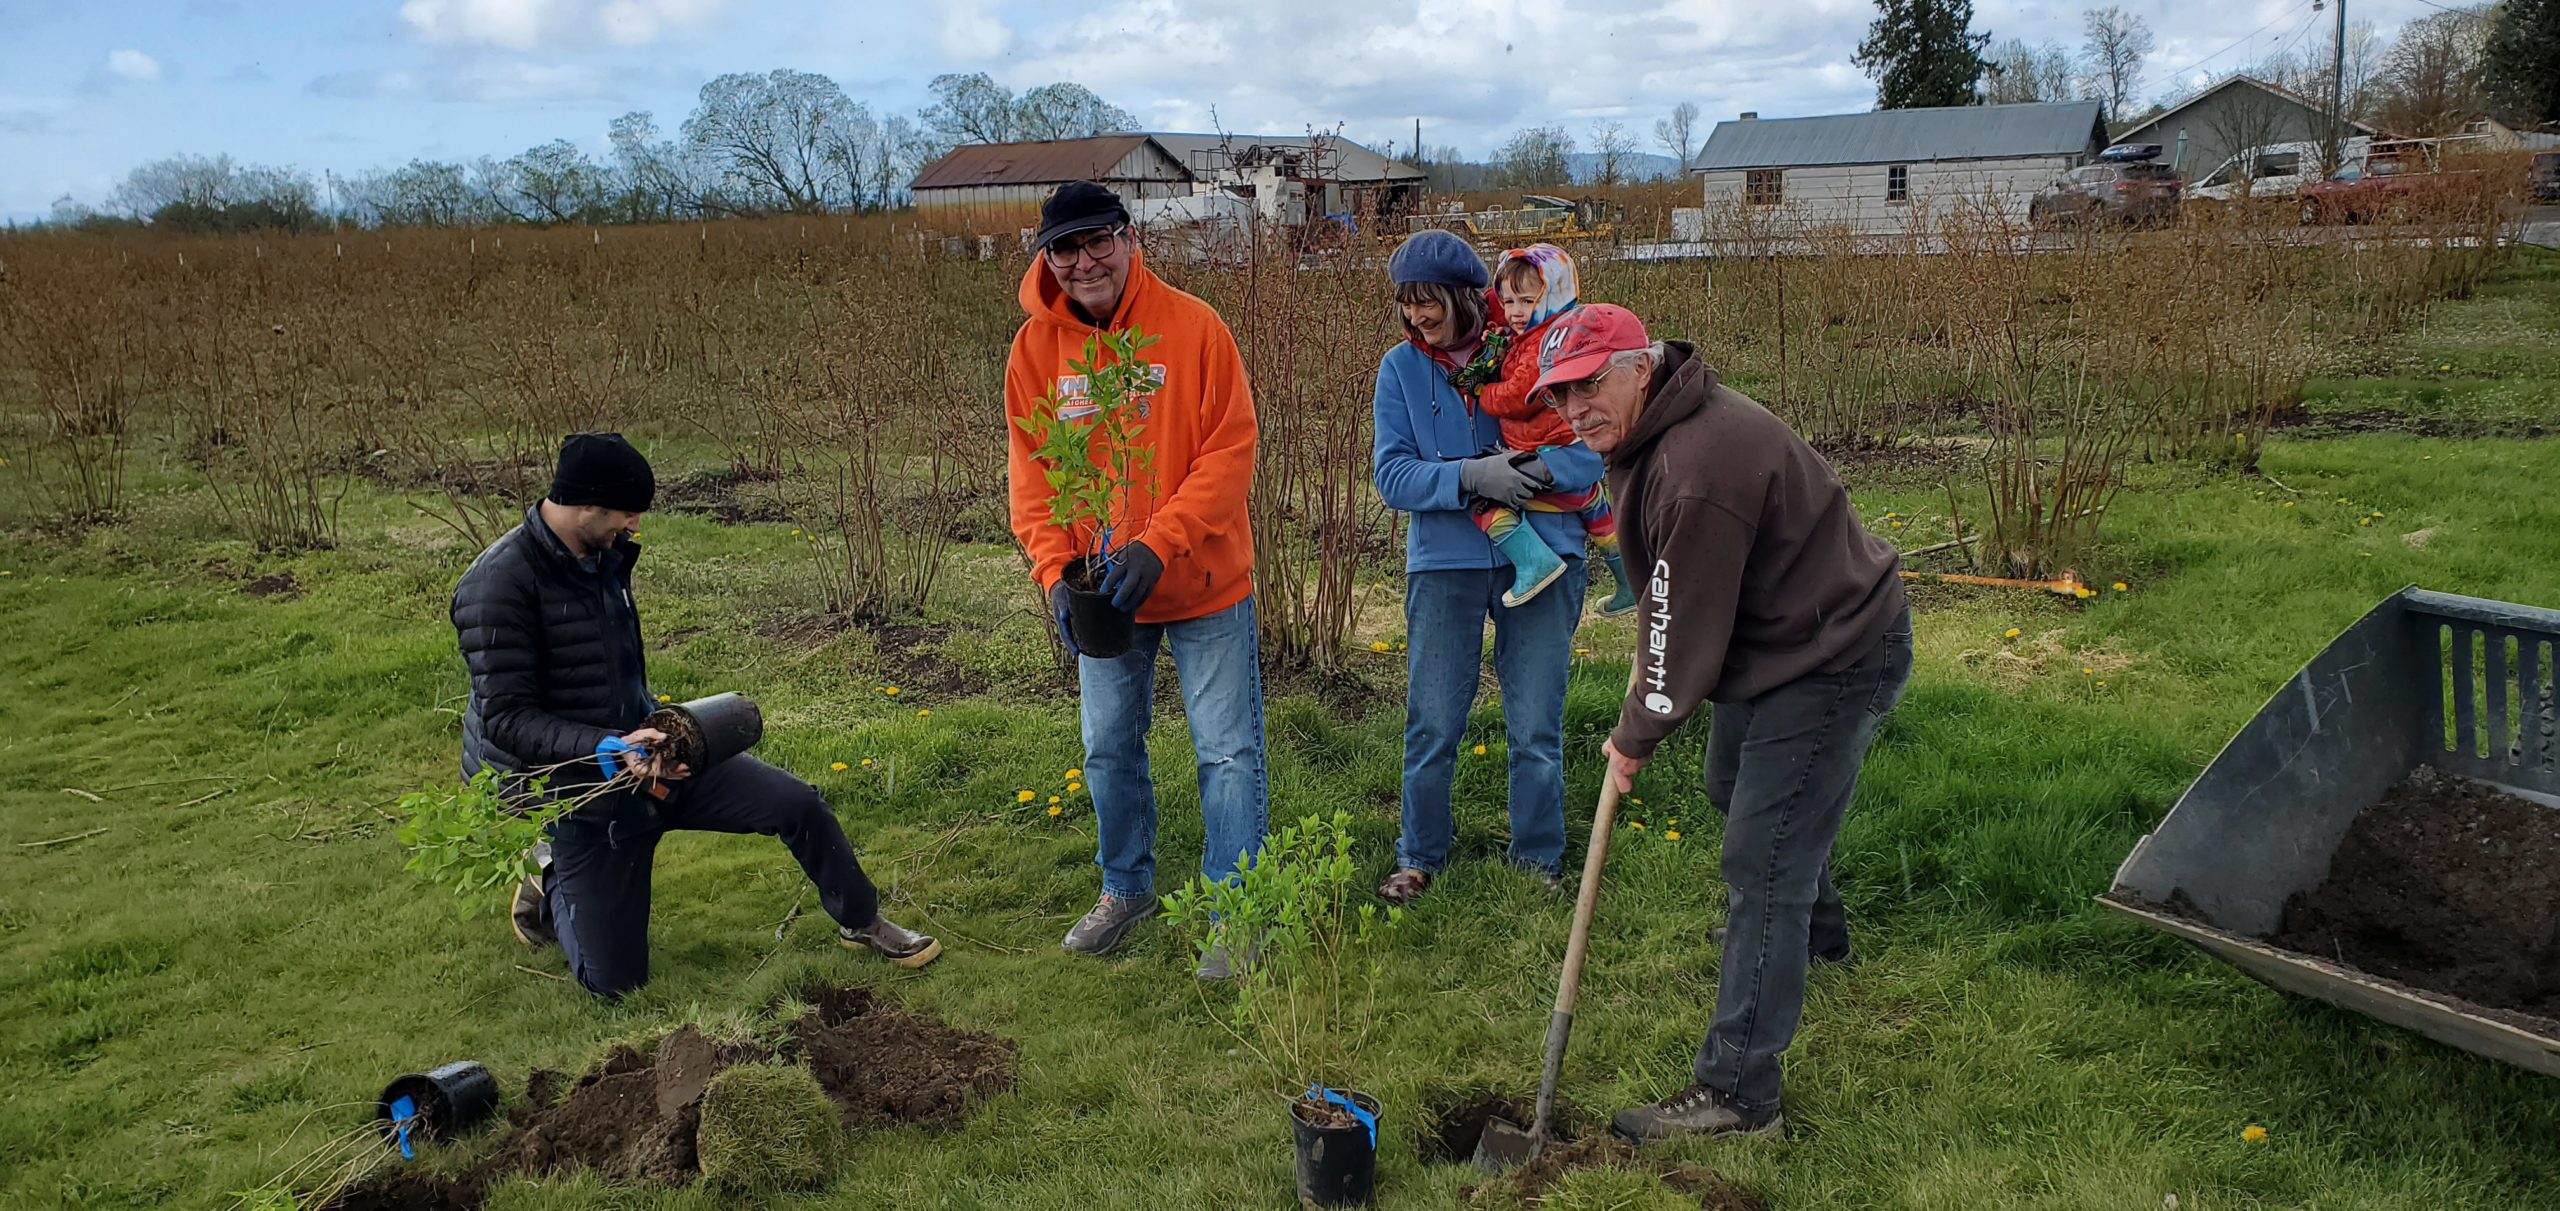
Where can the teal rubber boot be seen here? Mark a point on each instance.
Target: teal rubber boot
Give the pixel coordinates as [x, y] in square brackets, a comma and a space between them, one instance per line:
[1624, 600]
[1534, 565]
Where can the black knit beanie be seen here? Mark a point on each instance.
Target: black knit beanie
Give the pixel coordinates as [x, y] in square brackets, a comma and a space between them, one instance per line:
[603, 469]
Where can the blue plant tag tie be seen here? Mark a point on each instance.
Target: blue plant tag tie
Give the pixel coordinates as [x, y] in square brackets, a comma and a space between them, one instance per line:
[403, 1112]
[607, 749]
[1318, 1093]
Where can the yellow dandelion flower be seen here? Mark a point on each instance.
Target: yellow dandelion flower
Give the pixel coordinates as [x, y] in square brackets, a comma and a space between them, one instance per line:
[1675, 822]
[923, 714]
[866, 763]
[1073, 787]
[1055, 810]
[1054, 800]
[2011, 633]
[2365, 522]
[2288, 504]
[839, 767]
[2102, 685]
[1074, 774]
[1023, 796]
[1479, 750]
[2445, 367]
[1382, 646]
[893, 691]
[2086, 671]
[1897, 525]
[1638, 802]
[2084, 593]
[1891, 516]
[2122, 587]
[1639, 826]
[666, 697]
[1671, 834]
[2254, 1133]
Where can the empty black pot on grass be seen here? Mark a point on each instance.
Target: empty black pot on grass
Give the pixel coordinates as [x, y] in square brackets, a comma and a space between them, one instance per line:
[1337, 1165]
[707, 731]
[444, 1101]
[1100, 629]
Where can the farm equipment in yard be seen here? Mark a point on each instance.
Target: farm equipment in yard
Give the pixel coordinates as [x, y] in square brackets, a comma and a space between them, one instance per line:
[1540, 217]
[2459, 684]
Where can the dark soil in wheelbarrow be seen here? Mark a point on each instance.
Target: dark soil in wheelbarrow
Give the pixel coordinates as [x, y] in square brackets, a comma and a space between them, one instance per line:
[633, 1117]
[2449, 886]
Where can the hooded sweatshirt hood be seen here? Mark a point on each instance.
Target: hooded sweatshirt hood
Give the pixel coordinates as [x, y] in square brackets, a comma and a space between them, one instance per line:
[1562, 291]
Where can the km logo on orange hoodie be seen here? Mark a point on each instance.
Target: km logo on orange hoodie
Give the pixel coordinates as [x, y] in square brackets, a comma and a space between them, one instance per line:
[1199, 421]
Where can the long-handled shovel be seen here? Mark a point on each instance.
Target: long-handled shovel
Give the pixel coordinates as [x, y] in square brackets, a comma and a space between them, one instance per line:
[1504, 1145]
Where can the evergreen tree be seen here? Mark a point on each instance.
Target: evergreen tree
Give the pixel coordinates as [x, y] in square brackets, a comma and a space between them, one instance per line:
[1923, 52]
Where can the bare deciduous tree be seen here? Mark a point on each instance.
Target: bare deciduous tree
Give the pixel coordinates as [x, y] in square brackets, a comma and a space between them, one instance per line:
[1535, 158]
[1678, 134]
[2430, 82]
[2022, 72]
[2112, 56]
[1612, 144]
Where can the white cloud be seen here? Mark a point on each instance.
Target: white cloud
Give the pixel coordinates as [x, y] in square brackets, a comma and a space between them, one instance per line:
[969, 31]
[528, 24]
[133, 65]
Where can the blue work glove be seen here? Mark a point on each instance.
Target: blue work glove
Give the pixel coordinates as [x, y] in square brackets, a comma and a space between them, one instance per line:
[1133, 576]
[1058, 609]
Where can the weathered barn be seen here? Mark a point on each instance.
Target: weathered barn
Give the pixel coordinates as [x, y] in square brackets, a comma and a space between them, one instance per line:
[1869, 171]
[1286, 177]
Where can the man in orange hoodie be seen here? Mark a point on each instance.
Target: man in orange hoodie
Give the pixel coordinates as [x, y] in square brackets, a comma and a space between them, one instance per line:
[1181, 559]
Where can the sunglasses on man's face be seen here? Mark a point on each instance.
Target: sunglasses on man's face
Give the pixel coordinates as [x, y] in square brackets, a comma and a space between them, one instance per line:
[1067, 250]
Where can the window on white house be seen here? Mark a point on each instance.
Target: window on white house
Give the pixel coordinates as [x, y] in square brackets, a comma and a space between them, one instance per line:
[1764, 186]
[1897, 183]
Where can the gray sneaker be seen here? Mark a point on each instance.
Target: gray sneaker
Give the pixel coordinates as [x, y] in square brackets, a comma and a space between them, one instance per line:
[1696, 1110]
[1103, 929]
[1219, 966]
[892, 941]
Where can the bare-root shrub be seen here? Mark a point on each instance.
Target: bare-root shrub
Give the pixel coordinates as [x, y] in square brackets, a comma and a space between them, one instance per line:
[268, 439]
[77, 341]
[1309, 330]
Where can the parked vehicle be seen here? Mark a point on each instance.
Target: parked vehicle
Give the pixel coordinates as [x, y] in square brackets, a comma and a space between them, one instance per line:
[2395, 177]
[2545, 178]
[2272, 171]
[2135, 191]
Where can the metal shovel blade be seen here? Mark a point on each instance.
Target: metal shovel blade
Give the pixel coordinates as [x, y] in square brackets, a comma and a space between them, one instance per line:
[1504, 1146]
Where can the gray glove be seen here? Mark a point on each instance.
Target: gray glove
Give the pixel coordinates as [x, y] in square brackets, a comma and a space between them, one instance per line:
[1505, 479]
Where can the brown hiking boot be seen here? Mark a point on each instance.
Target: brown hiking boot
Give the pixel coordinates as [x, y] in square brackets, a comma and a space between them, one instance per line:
[891, 941]
[1696, 1110]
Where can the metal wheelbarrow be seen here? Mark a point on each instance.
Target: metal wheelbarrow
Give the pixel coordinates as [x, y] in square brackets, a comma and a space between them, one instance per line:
[2459, 683]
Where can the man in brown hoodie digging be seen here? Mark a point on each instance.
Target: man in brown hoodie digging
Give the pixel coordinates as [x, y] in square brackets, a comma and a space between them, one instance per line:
[1765, 595]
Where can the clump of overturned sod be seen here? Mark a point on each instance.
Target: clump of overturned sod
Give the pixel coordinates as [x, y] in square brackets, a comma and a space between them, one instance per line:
[767, 1128]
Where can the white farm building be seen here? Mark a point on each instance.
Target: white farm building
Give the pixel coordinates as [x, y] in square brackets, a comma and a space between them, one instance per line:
[1867, 171]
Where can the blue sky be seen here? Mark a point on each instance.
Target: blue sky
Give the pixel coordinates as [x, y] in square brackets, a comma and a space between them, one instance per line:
[90, 87]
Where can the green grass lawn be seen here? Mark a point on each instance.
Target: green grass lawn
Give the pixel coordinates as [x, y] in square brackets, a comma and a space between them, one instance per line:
[226, 974]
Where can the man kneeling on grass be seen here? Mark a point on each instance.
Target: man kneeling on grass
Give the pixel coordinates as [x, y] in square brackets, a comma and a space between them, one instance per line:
[1767, 597]
[552, 637]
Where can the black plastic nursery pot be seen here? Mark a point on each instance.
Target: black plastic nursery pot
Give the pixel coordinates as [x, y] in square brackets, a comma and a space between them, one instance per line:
[707, 731]
[1337, 1166]
[1100, 629]
[448, 1100]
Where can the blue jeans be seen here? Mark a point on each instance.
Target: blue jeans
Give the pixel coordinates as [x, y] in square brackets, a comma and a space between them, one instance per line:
[1219, 661]
[1781, 768]
[1444, 616]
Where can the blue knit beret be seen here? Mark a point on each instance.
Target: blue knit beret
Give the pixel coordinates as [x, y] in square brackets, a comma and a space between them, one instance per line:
[1442, 258]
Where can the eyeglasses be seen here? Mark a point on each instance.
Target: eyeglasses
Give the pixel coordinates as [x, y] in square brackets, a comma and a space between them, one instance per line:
[1067, 250]
[1578, 389]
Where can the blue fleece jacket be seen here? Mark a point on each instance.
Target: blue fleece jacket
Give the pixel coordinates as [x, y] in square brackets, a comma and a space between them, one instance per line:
[1425, 428]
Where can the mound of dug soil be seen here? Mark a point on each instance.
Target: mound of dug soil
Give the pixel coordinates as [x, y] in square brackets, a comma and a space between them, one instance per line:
[2449, 886]
[633, 1118]
[1532, 1182]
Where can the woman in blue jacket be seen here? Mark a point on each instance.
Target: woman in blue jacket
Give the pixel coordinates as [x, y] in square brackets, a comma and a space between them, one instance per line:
[1436, 454]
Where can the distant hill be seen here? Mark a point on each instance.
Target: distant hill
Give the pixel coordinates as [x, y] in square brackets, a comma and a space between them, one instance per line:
[1640, 166]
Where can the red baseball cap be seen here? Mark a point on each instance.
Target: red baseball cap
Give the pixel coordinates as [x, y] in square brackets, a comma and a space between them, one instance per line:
[1578, 344]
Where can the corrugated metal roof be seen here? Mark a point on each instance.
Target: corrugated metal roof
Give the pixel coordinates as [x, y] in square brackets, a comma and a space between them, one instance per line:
[1893, 136]
[1201, 155]
[2151, 126]
[1053, 163]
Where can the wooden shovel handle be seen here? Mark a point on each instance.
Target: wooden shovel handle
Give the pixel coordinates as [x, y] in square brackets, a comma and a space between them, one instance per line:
[1586, 905]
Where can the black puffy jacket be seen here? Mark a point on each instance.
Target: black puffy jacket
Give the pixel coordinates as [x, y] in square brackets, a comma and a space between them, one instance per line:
[554, 651]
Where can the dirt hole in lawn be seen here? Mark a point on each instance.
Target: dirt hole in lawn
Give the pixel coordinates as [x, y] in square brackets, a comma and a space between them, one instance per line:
[1533, 1182]
[1453, 1123]
[2449, 886]
[633, 1117]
